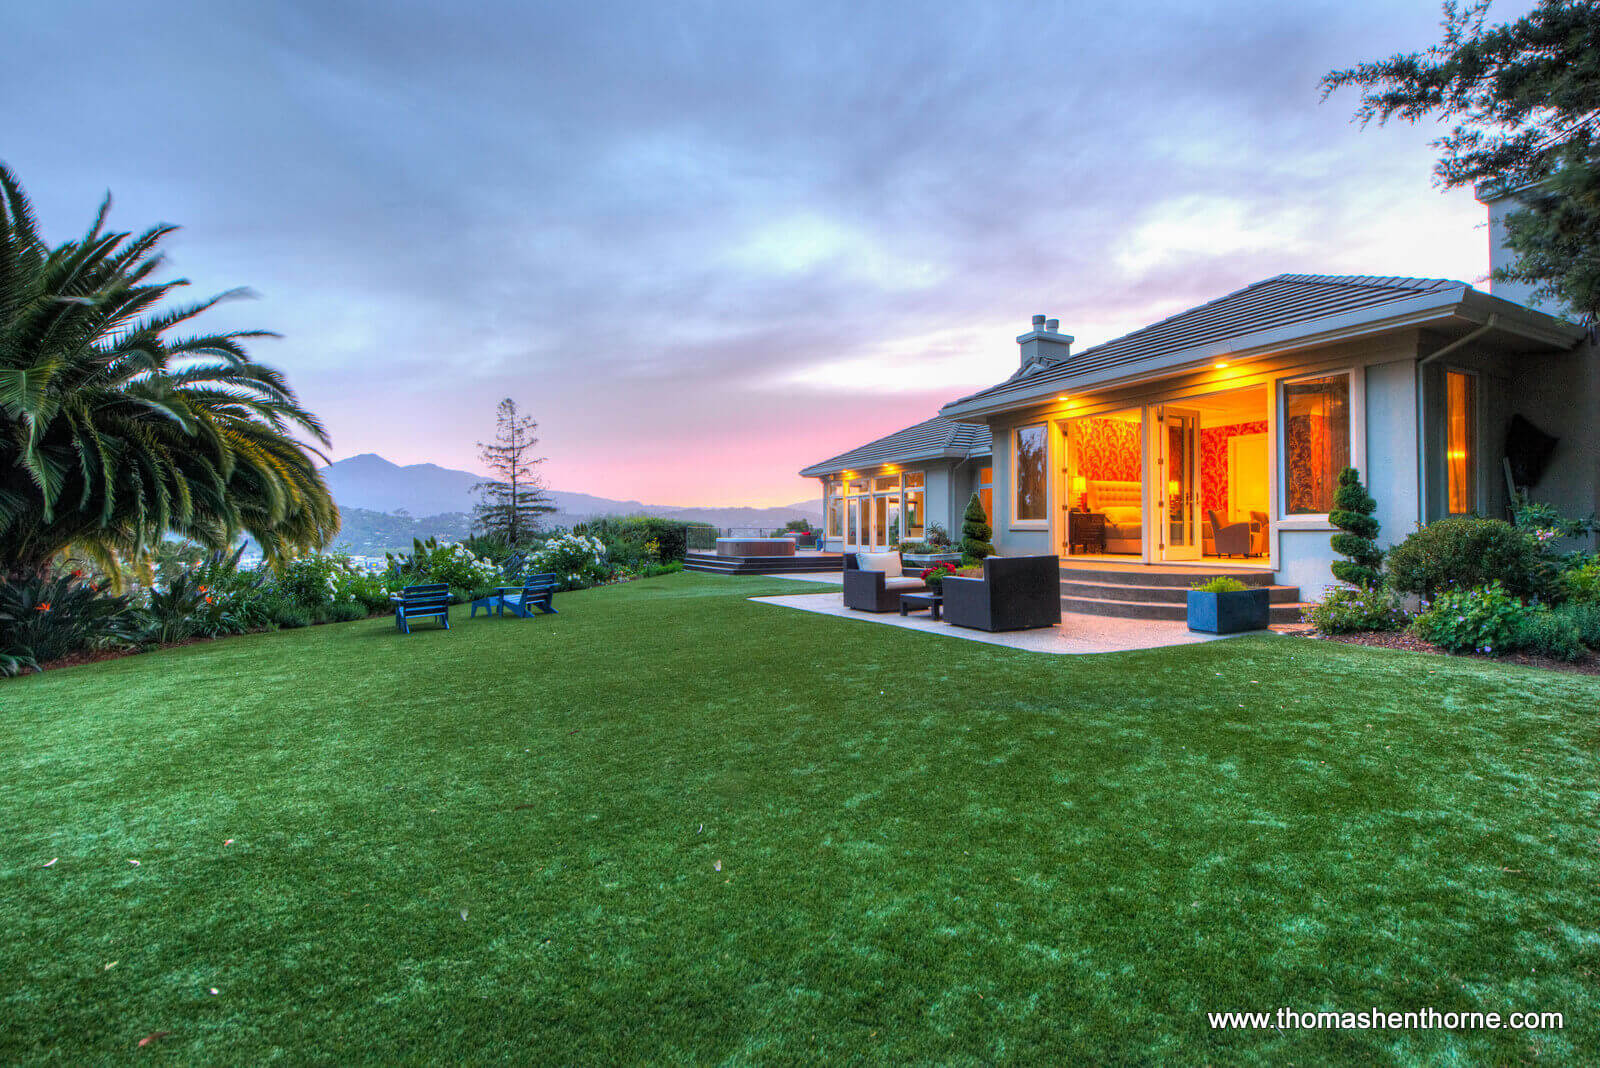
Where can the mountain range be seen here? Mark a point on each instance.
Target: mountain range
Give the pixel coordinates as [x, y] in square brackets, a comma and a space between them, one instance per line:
[385, 504]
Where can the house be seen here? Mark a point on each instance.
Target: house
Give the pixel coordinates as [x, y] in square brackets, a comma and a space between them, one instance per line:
[889, 490]
[1213, 439]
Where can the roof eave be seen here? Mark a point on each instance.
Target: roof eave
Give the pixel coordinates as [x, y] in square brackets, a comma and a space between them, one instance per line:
[1456, 302]
[833, 466]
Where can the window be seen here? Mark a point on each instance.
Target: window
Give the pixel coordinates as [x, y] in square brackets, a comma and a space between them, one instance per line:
[886, 484]
[986, 490]
[1029, 463]
[1460, 448]
[914, 499]
[835, 517]
[1316, 442]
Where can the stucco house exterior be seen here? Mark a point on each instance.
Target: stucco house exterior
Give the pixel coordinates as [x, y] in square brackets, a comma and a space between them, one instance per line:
[891, 489]
[1213, 438]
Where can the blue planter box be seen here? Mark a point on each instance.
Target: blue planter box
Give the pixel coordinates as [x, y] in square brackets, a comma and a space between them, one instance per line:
[1228, 613]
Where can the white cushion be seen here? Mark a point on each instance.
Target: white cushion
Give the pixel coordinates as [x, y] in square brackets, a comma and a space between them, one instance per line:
[903, 582]
[888, 563]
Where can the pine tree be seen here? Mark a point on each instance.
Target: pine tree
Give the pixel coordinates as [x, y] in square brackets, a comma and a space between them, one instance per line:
[511, 503]
[975, 530]
[1353, 509]
[1522, 104]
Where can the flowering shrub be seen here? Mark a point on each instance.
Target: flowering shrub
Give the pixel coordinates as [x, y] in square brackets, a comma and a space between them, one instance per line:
[1345, 610]
[1486, 619]
[465, 572]
[46, 619]
[576, 560]
[934, 576]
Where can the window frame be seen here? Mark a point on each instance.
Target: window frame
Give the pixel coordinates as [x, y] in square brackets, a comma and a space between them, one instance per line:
[1284, 519]
[1016, 522]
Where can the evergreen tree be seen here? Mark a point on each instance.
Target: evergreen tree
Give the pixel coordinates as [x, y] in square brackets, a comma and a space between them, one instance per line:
[1526, 99]
[512, 502]
[1353, 509]
[975, 530]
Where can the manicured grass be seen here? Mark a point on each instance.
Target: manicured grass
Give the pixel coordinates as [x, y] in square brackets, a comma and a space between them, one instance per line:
[671, 824]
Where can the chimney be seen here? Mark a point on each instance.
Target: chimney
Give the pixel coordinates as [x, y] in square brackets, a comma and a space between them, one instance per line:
[1500, 203]
[1045, 344]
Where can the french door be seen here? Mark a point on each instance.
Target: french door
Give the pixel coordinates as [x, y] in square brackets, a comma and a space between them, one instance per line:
[1174, 499]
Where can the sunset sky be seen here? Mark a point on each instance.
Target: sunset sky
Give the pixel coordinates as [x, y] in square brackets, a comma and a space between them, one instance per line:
[708, 244]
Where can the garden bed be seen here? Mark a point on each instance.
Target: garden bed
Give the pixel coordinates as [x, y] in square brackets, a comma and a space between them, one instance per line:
[1404, 640]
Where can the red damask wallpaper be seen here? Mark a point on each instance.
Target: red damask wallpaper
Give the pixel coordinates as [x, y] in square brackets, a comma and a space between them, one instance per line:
[1108, 450]
[1214, 462]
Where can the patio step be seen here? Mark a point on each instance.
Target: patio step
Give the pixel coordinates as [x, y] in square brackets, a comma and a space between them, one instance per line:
[1134, 575]
[1110, 591]
[1280, 612]
[1135, 592]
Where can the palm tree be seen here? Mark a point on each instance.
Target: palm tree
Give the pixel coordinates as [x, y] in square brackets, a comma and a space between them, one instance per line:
[113, 433]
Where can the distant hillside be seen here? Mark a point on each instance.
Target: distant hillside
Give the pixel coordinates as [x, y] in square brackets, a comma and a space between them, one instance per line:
[437, 502]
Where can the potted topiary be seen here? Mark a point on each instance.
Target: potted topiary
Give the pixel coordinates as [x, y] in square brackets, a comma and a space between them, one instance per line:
[1227, 606]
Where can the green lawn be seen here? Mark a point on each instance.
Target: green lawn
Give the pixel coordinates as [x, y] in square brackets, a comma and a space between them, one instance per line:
[671, 824]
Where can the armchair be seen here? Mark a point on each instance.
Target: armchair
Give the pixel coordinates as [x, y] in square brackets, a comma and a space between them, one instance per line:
[1015, 592]
[877, 586]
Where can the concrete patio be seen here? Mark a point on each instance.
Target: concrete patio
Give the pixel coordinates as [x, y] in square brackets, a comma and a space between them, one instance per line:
[1076, 635]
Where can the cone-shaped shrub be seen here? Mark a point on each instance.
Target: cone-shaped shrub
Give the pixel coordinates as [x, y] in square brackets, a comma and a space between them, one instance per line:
[975, 530]
[1352, 513]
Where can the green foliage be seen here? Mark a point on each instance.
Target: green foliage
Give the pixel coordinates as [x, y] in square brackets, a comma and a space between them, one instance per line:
[577, 560]
[1353, 513]
[113, 434]
[1351, 610]
[465, 572]
[1585, 621]
[1522, 99]
[626, 537]
[1548, 633]
[1464, 551]
[512, 502]
[1483, 619]
[937, 539]
[1220, 584]
[975, 531]
[1582, 582]
[44, 619]
[174, 611]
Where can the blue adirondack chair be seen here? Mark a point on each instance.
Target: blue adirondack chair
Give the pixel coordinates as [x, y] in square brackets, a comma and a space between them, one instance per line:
[536, 591]
[422, 602]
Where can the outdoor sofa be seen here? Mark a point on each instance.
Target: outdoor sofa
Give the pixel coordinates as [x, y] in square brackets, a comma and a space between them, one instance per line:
[873, 582]
[1015, 592]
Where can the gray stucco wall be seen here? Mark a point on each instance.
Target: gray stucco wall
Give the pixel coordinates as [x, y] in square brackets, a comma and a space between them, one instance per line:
[1561, 395]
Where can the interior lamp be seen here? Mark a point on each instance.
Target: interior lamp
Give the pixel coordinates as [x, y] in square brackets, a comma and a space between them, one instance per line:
[1080, 490]
[1173, 487]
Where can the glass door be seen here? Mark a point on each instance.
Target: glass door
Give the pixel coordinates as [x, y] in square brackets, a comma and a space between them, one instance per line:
[1176, 496]
[854, 537]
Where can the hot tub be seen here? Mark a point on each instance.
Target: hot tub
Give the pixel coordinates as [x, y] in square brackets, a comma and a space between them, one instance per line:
[755, 546]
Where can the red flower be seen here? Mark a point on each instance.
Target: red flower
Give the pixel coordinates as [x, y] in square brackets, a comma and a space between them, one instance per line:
[78, 574]
[43, 607]
[203, 590]
[208, 598]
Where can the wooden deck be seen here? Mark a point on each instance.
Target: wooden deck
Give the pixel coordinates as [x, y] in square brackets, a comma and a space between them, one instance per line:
[804, 561]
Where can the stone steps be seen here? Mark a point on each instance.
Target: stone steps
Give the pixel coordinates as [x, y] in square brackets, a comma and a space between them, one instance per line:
[1161, 593]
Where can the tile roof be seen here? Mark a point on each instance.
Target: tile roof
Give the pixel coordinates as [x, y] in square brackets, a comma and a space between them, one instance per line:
[1285, 300]
[934, 439]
